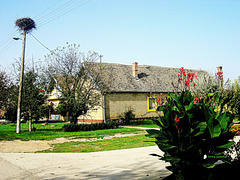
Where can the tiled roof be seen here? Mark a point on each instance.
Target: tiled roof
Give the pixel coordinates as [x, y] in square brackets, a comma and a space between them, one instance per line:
[119, 77]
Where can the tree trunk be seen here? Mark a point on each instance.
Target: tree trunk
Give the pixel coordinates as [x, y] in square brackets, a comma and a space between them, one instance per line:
[30, 123]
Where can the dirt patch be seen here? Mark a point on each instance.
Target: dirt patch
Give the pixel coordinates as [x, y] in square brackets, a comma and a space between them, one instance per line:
[18, 146]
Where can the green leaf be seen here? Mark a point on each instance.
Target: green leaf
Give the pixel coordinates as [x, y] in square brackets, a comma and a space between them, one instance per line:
[202, 126]
[216, 98]
[158, 122]
[153, 133]
[171, 159]
[209, 165]
[210, 94]
[227, 145]
[214, 127]
[223, 120]
[174, 97]
[175, 109]
[169, 146]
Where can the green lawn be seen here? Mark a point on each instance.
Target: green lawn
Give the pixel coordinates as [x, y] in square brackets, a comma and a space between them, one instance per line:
[103, 145]
[52, 131]
[143, 123]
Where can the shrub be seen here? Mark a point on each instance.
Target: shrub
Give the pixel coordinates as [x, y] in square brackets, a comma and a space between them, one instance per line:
[89, 127]
[11, 114]
[194, 133]
[127, 116]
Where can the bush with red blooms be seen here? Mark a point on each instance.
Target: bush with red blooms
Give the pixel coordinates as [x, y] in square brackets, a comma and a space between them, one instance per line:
[193, 131]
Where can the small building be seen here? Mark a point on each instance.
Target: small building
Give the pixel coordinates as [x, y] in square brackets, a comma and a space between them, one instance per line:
[129, 87]
[133, 87]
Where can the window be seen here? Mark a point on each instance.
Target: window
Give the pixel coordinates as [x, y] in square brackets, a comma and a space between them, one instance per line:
[152, 105]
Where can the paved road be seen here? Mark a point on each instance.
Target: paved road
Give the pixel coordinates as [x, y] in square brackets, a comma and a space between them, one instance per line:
[119, 164]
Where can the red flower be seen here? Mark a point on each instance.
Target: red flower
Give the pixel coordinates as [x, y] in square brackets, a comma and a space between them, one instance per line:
[160, 94]
[176, 119]
[180, 79]
[181, 69]
[194, 84]
[195, 76]
[219, 74]
[196, 100]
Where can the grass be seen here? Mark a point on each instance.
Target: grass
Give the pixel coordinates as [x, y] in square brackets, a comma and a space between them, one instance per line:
[102, 145]
[52, 131]
[143, 123]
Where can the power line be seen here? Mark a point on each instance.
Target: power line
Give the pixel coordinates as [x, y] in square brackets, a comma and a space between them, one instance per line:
[7, 39]
[61, 13]
[46, 9]
[46, 46]
[41, 43]
[56, 10]
[7, 46]
[56, 13]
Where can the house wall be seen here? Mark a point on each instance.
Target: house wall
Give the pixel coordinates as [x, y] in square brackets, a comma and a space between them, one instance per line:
[115, 105]
[118, 103]
[95, 114]
[54, 99]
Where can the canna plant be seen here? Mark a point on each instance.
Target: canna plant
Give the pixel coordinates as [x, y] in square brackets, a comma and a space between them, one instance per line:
[193, 133]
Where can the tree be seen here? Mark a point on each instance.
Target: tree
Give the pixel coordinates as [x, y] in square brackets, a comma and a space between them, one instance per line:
[79, 89]
[25, 25]
[34, 97]
[236, 84]
[4, 85]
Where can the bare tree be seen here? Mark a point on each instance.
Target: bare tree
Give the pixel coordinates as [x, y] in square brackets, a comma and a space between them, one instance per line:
[78, 79]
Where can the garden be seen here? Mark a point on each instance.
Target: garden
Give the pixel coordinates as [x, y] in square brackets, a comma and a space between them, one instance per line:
[196, 129]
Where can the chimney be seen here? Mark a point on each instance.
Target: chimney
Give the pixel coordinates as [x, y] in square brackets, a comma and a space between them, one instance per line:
[135, 69]
[220, 75]
[219, 69]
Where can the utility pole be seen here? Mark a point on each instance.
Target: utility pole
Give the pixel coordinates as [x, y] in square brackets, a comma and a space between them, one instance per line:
[21, 84]
[25, 25]
[100, 58]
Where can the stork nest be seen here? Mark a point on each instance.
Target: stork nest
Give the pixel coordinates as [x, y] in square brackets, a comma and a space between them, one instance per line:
[25, 24]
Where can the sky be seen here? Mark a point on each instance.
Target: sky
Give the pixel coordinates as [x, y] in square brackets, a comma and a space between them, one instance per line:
[194, 34]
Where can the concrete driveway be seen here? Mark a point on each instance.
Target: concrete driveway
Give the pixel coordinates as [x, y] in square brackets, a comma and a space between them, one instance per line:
[119, 164]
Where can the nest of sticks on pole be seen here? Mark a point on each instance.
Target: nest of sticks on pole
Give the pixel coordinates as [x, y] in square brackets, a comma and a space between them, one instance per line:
[25, 24]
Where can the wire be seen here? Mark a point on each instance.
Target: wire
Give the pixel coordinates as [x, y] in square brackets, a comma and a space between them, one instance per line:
[41, 43]
[56, 13]
[46, 46]
[62, 13]
[46, 9]
[10, 44]
[56, 10]
[7, 39]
